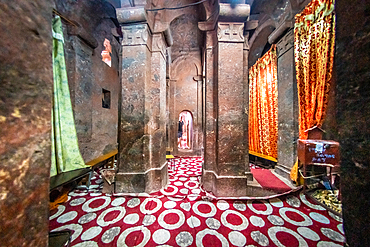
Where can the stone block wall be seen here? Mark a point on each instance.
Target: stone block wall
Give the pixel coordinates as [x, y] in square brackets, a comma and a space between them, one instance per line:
[86, 26]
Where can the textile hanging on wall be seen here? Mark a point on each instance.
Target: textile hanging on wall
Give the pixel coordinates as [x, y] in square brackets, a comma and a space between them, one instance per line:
[314, 38]
[263, 106]
[64, 144]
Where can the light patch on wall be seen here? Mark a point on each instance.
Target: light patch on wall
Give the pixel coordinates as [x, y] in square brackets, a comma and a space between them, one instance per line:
[106, 57]
[105, 98]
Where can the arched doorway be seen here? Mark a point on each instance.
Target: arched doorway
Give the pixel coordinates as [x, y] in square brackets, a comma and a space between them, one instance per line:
[185, 131]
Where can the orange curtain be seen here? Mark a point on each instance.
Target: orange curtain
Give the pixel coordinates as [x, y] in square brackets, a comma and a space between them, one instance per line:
[263, 106]
[314, 37]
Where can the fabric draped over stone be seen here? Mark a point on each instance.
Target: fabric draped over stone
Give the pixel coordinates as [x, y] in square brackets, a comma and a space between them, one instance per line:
[64, 144]
[314, 39]
[263, 93]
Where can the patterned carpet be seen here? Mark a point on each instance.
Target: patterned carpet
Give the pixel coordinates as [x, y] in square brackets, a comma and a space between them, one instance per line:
[180, 216]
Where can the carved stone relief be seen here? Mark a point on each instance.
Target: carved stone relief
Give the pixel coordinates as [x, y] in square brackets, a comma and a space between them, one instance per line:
[285, 43]
[230, 32]
[135, 34]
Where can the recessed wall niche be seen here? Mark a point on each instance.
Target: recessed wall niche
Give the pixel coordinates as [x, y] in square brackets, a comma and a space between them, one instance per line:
[106, 54]
[105, 98]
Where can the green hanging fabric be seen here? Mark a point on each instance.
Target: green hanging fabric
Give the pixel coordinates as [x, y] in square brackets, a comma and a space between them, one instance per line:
[66, 155]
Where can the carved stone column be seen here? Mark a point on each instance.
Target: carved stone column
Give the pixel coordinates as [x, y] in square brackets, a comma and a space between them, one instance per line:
[287, 106]
[141, 164]
[226, 168]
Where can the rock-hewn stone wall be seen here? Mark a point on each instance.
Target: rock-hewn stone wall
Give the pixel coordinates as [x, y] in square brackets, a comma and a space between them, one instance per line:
[25, 110]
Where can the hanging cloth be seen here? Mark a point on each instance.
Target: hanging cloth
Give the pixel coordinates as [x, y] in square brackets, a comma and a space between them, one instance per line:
[65, 154]
[263, 106]
[314, 38]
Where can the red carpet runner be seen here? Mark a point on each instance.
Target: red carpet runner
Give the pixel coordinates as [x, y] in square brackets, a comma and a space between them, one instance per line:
[268, 180]
[177, 216]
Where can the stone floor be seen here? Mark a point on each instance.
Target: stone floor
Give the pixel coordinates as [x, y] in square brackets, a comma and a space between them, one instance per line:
[183, 215]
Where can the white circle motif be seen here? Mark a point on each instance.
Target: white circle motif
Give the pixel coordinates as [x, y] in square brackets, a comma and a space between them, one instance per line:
[87, 218]
[77, 201]
[165, 225]
[257, 221]
[121, 241]
[169, 204]
[67, 217]
[222, 205]
[308, 233]
[327, 243]
[133, 202]
[102, 222]
[333, 235]
[307, 221]
[206, 215]
[293, 201]
[200, 235]
[109, 235]
[240, 227]
[319, 218]
[275, 229]
[193, 222]
[268, 210]
[161, 236]
[237, 239]
[184, 239]
[175, 189]
[239, 205]
[86, 244]
[275, 220]
[118, 201]
[150, 211]
[86, 206]
[131, 219]
[213, 223]
[91, 233]
[149, 219]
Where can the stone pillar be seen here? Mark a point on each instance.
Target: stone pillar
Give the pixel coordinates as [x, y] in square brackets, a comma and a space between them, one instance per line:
[226, 168]
[141, 165]
[231, 143]
[287, 105]
[210, 151]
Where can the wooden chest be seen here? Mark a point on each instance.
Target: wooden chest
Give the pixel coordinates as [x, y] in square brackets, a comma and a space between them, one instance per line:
[318, 152]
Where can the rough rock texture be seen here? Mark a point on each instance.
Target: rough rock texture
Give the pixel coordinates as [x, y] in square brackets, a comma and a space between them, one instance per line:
[350, 127]
[25, 107]
[287, 106]
[84, 32]
[143, 111]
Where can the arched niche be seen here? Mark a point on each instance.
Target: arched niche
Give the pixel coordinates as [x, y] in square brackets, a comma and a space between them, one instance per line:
[185, 130]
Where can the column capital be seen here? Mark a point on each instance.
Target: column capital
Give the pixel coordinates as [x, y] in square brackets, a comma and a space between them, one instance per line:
[136, 34]
[285, 43]
[230, 31]
[159, 43]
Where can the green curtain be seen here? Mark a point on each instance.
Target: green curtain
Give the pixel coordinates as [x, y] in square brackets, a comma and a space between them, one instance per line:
[65, 154]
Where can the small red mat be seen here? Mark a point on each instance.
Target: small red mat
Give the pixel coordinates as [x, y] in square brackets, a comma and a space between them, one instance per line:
[268, 180]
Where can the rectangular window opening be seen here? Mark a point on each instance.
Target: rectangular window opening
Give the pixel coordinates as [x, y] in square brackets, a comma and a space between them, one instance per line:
[105, 98]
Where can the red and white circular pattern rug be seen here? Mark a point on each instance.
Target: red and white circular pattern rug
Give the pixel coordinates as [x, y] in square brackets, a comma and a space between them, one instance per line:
[177, 216]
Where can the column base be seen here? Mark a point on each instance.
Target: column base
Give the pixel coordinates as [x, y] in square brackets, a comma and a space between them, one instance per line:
[149, 181]
[283, 171]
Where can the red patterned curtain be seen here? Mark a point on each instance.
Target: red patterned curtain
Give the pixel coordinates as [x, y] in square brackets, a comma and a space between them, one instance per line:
[314, 37]
[263, 106]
